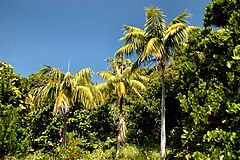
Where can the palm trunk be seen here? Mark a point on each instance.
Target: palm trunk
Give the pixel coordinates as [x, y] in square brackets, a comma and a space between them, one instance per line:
[121, 127]
[64, 129]
[163, 131]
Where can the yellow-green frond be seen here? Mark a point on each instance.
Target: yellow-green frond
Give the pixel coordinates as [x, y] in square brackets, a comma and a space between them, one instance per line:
[85, 73]
[113, 79]
[128, 29]
[62, 104]
[139, 74]
[118, 71]
[121, 90]
[175, 34]
[139, 34]
[155, 22]
[84, 95]
[125, 50]
[105, 90]
[102, 86]
[154, 47]
[136, 92]
[191, 29]
[50, 73]
[97, 94]
[106, 74]
[135, 38]
[181, 18]
[173, 29]
[67, 75]
[139, 86]
[127, 71]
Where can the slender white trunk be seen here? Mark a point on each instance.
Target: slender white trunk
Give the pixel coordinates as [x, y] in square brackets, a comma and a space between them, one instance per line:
[121, 127]
[118, 147]
[121, 130]
[163, 131]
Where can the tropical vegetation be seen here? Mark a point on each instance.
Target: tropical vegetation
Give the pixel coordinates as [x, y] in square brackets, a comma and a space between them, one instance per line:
[192, 73]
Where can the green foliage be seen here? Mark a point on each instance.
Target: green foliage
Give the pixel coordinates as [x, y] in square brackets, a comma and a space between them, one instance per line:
[37, 155]
[128, 152]
[218, 12]
[8, 127]
[209, 95]
[45, 128]
[72, 149]
[143, 115]
[14, 123]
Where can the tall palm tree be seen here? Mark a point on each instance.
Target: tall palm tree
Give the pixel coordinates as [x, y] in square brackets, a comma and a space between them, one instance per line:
[156, 43]
[118, 83]
[65, 91]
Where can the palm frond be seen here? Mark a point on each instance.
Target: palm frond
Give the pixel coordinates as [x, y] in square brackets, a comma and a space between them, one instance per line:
[155, 22]
[62, 104]
[115, 62]
[127, 50]
[102, 86]
[139, 86]
[181, 18]
[121, 90]
[106, 74]
[175, 34]
[127, 71]
[136, 92]
[85, 73]
[191, 29]
[67, 76]
[83, 95]
[139, 74]
[133, 41]
[139, 34]
[154, 47]
[50, 72]
[128, 29]
[105, 89]
[140, 62]
[118, 70]
[135, 38]
[97, 94]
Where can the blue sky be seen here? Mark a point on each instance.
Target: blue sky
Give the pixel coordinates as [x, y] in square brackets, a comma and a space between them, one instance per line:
[38, 32]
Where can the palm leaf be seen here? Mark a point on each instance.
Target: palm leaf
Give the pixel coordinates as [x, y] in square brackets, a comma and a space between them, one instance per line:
[181, 18]
[127, 29]
[127, 50]
[136, 38]
[154, 47]
[139, 86]
[62, 104]
[102, 86]
[136, 92]
[127, 71]
[175, 35]
[84, 74]
[155, 22]
[121, 90]
[106, 74]
[84, 95]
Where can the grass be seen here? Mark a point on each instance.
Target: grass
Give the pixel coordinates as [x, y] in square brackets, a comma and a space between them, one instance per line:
[127, 152]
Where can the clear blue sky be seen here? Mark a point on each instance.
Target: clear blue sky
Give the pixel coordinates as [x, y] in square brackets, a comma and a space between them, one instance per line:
[38, 32]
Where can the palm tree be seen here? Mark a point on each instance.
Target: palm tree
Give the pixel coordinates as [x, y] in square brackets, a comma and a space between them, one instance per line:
[118, 83]
[65, 91]
[156, 43]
